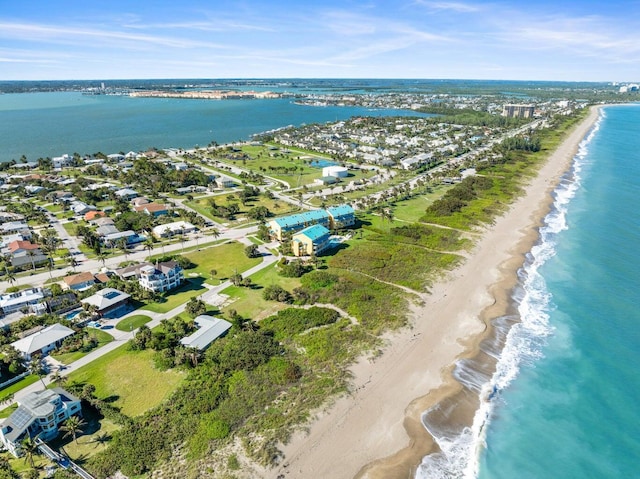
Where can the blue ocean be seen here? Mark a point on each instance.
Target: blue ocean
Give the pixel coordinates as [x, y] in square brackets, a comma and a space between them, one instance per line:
[52, 124]
[563, 402]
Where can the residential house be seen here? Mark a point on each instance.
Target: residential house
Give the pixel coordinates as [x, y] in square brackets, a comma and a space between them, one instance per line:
[61, 161]
[109, 302]
[152, 209]
[225, 182]
[42, 342]
[62, 303]
[102, 221]
[12, 227]
[25, 253]
[33, 189]
[40, 414]
[106, 229]
[92, 215]
[161, 277]
[140, 200]
[5, 241]
[209, 329]
[169, 229]
[30, 299]
[312, 240]
[157, 278]
[126, 194]
[129, 236]
[181, 166]
[81, 208]
[81, 281]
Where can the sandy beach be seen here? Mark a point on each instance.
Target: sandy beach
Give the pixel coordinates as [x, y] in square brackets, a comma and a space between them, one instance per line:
[375, 431]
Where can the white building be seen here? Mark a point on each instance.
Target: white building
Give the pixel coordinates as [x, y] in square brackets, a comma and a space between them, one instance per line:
[42, 342]
[209, 329]
[169, 229]
[32, 299]
[335, 171]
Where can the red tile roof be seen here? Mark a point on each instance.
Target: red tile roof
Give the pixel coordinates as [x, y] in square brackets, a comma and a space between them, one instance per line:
[93, 214]
[18, 244]
[151, 207]
[78, 278]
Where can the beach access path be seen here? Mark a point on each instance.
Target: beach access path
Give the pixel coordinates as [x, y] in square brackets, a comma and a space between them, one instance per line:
[364, 432]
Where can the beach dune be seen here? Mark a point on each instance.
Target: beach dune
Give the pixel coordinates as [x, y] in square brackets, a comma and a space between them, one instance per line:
[375, 432]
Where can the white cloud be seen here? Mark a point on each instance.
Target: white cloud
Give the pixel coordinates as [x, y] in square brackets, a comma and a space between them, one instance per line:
[458, 7]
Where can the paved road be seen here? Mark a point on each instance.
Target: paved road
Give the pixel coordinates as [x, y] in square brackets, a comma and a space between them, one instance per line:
[140, 255]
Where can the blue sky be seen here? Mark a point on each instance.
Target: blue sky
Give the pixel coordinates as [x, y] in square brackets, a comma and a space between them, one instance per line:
[521, 40]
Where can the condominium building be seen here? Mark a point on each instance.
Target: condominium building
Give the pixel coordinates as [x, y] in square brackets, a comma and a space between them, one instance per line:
[518, 111]
[312, 240]
[335, 217]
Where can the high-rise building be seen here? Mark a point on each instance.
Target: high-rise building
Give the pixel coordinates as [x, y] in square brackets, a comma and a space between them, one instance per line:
[518, 111]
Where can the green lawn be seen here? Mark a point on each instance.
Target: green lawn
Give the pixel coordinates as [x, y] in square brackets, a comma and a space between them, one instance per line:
[94, 438]
[191, 287]
[275, 206]
[101, 336]
[6, 412]
[132, 322]
[413, 209]
[129, 380]
[226, 259]
[249, 303]
[13, 388]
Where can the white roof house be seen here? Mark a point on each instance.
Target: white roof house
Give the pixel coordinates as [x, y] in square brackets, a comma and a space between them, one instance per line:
[27, 298]
[43, 341]
[209, 329]
[169, 229]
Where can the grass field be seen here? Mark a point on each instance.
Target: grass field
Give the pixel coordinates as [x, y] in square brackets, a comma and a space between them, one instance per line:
[249, 303]
[191, 287]
[226, 259]
[94, 438]
[101, 336]
[128, 380]
[275, 206]
[132, 322]
[13, 388]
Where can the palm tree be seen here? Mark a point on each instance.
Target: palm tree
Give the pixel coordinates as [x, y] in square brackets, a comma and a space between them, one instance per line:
[36, 367]
[148, 246]
[101, 257]
[122, 246]
[58, 379]
[50, 267]
[73, 426]
[31, 255]
[11, 276]
[182, 238]
[72, 261]
[30, 448]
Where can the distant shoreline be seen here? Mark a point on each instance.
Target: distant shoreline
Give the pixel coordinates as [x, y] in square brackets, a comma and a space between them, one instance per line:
[355, 436]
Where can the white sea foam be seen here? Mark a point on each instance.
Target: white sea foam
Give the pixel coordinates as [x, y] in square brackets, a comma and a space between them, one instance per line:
[459, 456]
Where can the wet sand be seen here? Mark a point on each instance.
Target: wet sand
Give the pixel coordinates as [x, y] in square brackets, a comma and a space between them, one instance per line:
[375, 432]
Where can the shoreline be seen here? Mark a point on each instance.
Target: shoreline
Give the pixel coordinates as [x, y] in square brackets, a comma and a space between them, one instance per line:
[376, 431]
